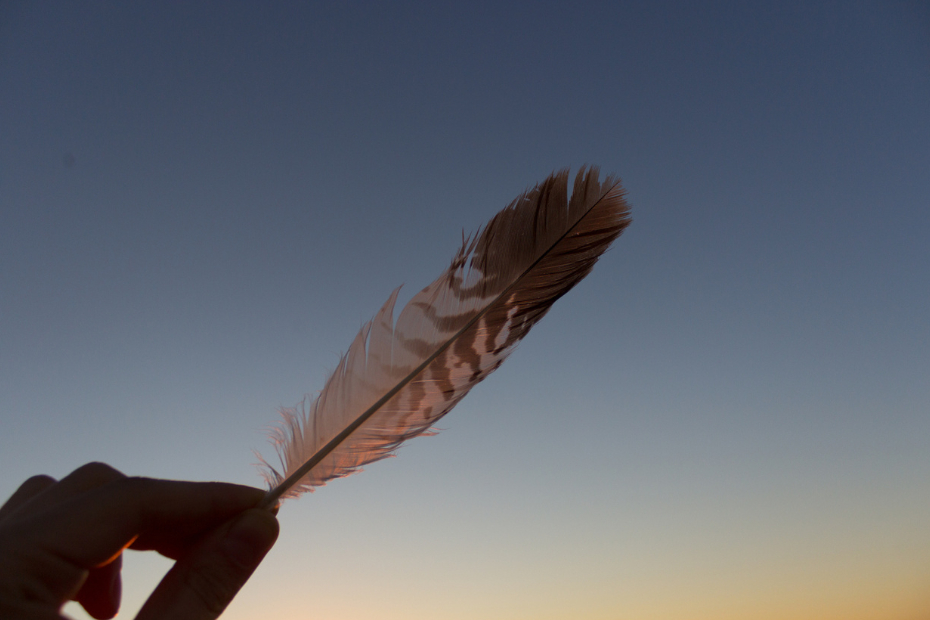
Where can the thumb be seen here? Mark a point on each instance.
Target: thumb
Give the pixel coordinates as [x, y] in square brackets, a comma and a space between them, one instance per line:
[202, 583]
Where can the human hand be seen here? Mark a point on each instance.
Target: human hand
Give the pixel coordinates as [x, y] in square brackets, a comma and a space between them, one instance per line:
[63, 540]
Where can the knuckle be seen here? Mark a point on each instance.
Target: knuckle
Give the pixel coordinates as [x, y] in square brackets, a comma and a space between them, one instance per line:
[37, 483]
[99, 473]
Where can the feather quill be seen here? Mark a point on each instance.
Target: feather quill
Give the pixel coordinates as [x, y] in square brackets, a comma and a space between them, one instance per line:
[396, 381]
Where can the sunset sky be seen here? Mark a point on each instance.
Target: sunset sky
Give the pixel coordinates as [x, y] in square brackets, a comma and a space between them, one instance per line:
[201, 203]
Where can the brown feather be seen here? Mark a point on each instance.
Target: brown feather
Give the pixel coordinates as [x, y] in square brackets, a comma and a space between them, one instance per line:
[396, 381]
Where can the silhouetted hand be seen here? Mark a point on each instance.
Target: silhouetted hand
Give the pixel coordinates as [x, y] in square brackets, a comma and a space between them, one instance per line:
[63, 540]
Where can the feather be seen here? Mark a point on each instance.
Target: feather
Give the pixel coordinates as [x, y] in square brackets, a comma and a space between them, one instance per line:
[396, 381]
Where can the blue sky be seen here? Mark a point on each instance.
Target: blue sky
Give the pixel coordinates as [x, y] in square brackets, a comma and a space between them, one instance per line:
[201, 203]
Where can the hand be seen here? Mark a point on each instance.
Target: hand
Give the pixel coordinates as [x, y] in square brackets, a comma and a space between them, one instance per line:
[62, 541]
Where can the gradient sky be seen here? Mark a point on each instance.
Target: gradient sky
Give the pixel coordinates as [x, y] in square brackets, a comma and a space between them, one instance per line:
[201, 203]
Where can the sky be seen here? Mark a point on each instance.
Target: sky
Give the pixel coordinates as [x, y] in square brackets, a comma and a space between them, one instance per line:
[201, 203]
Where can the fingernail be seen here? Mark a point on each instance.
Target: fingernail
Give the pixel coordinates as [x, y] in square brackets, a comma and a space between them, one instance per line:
[250, 537]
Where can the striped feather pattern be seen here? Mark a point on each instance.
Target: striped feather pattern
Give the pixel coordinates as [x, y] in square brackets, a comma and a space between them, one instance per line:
[397, 380]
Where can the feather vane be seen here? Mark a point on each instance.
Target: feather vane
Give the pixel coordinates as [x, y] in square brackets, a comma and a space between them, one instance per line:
[397, 380]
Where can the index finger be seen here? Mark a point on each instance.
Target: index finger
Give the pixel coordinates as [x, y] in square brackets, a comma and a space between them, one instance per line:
[93, 527]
